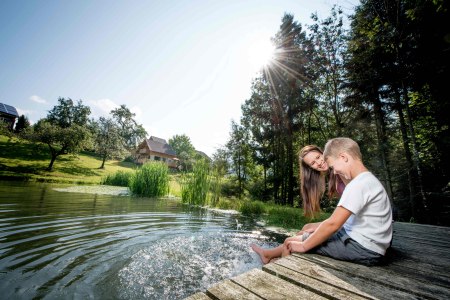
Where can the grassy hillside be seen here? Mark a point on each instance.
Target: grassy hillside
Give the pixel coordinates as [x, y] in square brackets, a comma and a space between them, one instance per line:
[28, 161]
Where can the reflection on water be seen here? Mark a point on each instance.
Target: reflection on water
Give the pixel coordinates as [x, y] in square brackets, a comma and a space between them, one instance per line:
[67, 243]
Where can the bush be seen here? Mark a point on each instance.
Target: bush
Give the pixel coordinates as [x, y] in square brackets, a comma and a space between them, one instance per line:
[151, 180]
[252, 208]
[120, 178]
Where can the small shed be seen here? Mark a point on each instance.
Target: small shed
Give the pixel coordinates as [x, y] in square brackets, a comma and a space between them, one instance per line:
[156, 149]
[8, 114]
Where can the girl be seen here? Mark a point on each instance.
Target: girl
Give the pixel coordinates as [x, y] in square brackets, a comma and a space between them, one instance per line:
[313, 169]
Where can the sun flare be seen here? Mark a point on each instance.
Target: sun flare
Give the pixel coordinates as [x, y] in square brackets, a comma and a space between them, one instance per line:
[260, 53]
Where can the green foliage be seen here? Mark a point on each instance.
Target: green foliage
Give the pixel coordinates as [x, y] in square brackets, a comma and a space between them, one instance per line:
[119, 178]
[131, 132]
[151, 180]
[252, 208]
[22, 124]
[61, 140]
[215, 187]
[108, 141]
[286, 217]
[184, 149]
[26, 160]
[195, 185]
[66, 113]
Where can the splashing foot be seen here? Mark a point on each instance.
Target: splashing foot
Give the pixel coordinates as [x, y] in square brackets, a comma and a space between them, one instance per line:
[260, 252]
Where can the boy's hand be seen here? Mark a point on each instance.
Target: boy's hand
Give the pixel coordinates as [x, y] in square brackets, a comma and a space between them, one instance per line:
[294, 246]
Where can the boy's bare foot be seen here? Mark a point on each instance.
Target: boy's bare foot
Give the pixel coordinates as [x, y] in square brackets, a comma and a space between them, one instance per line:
[260, 252]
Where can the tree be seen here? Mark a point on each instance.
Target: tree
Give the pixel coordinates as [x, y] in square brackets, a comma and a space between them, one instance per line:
[22, 124]
[131, 132]
[240, 155]
[64, 130]
[61, 140]
[108, 140]
[184, 149]
[66, 113]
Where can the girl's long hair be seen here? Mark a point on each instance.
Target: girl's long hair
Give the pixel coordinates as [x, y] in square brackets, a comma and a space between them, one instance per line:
[312, 183]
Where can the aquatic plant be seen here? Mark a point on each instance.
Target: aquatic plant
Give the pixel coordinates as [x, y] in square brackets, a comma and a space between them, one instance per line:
[151, 180]
[215, 187]
[119, 178]
[195, 185]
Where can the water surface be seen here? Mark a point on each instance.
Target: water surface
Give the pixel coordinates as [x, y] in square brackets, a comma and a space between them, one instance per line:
[59, 242]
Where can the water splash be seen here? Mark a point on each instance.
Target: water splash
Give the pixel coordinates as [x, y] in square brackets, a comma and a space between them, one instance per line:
[178, 267]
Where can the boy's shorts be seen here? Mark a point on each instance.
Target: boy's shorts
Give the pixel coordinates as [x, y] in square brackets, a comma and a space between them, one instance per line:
[341, 246]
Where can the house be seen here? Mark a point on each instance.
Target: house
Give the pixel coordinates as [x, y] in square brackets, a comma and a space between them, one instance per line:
[8, 114]
[156, 149]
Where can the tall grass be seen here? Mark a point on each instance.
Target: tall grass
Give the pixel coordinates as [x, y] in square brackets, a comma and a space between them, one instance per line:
[195, 185]
[119, 178]
[215, 187]
[151, 180]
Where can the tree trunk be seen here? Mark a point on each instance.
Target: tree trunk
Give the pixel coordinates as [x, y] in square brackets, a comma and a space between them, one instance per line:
[383, 144]
[54, 154]
[103, 161]
[405, 139]
[50, 166]
[416, 158]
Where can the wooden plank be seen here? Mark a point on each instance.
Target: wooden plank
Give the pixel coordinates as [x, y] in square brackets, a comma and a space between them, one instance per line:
[198, 296]
[403, 238]
[357, 285]
[310, 283]
[268, 286]
[418, 267]
[383, 276]
[422, 253]
[317, 272]
[227, 290]
[423, 230]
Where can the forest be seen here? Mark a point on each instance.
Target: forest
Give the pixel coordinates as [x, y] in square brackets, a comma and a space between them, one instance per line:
[380, 77]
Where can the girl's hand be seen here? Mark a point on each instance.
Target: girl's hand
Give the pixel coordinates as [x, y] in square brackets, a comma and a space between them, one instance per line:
[296, 247]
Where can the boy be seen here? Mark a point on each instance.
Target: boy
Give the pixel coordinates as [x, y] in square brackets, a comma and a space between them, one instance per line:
[360, 228]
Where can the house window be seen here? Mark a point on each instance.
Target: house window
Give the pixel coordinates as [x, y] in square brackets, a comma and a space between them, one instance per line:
[157, 158]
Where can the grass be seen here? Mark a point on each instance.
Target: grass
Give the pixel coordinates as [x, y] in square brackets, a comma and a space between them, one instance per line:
[22, 160]
[271, 214]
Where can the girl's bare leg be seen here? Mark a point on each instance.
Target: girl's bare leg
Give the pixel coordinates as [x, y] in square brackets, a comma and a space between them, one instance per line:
[267, 255]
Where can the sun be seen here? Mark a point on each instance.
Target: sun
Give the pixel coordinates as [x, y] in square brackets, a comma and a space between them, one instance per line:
[260, 53]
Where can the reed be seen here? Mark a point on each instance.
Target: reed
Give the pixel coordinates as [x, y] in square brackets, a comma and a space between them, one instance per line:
[195, 185]
[151, 180]
[119, 178]
[215, 187]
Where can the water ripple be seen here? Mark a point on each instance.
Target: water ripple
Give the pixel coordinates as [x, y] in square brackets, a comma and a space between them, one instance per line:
[72, 245]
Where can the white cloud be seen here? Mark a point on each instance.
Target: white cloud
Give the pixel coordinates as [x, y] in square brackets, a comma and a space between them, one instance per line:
[138, 112]
[101, 107]
[38, 99]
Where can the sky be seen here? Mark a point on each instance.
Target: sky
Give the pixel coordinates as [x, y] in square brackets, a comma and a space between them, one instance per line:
[183, 67]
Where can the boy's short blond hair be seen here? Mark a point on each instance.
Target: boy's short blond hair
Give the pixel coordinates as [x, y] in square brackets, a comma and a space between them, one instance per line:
[342, 144]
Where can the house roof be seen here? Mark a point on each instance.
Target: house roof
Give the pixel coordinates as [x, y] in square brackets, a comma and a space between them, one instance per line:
[8, 109]
[157, 139]
[160, 145]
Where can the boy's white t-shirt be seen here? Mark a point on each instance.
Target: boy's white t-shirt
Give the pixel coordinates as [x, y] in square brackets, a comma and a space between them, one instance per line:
[371, 221]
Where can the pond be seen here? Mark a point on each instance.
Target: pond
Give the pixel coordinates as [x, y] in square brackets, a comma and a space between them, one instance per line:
[59, 242]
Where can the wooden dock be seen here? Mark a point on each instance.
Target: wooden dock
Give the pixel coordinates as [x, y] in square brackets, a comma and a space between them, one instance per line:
[418, 267]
